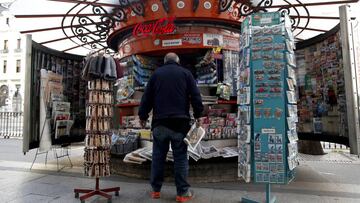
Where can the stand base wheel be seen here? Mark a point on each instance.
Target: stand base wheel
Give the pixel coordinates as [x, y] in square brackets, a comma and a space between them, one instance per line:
[117, 193]
[76, 195]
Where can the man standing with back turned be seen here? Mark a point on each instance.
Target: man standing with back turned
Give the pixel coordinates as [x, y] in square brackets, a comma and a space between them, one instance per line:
[169, 93]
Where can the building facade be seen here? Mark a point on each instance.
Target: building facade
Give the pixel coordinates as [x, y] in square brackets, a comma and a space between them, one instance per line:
[12, 62]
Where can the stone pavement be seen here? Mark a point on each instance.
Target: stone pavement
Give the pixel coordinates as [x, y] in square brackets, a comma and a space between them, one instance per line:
[23, 186]
[320, 179]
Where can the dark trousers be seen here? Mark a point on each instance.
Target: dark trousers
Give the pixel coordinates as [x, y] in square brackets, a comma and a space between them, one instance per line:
[162, 137]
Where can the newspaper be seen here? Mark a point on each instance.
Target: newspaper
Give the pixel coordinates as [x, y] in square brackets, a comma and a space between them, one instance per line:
[134, 157]
[228, 152]
[195, 153]
[194, 136]
[209, 152]
[202, 151]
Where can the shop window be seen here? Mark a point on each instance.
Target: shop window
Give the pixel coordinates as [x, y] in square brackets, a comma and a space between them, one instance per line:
[7, 21]
[4, 66]
[4, 94]
[18, 66]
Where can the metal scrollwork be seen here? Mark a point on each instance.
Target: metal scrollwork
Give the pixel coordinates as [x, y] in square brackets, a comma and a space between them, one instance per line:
[165, 4]
[224, 5]
[137, 6]
[195, 5]
[295, 19]
[92, 32]
[245, 9]
[265, 3]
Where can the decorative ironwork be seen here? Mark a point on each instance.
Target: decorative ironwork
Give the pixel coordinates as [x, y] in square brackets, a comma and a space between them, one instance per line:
[165, 4]
[195, 5]
[91, 29]
[224, 5]
[242, 9]
[246, 8]
[137, 6]
[295, 19]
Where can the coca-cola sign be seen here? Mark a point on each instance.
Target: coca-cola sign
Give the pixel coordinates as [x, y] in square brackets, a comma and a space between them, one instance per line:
[160, 27]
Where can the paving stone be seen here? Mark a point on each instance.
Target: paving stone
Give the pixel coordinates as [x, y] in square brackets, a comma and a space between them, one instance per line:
[33, 198]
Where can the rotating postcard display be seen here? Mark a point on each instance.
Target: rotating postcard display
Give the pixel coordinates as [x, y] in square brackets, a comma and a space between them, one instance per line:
[99, 112]
[100, 72]
[267, 112]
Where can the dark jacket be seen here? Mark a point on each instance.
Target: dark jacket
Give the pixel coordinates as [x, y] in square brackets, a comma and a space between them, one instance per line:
[169, 93]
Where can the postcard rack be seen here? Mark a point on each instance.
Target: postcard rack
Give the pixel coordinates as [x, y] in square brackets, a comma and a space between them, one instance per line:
[99, 112]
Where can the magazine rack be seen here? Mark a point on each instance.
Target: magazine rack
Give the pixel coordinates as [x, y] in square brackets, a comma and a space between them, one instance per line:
[64, 150]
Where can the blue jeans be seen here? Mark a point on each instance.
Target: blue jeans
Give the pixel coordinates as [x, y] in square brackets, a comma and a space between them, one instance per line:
[162, 137]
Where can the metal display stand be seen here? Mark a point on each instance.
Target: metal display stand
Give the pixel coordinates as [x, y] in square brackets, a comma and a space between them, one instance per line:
[269, 199]
[96, 191]
[96, 163]
[267, 102]
[66, 154]
[37, 149]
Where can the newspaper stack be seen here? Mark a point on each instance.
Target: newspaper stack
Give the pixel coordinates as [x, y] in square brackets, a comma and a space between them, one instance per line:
[228, 152]
[209, 152]
[146, 153]
[141, 155]
[134, 157]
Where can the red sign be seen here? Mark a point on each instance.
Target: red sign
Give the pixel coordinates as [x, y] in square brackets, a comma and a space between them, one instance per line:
[161, 26]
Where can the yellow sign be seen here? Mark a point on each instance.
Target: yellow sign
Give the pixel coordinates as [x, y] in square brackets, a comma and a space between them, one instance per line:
[216, 50]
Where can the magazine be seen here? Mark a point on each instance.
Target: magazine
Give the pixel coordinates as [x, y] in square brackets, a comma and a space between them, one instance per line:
[59, 106]
[63, 128]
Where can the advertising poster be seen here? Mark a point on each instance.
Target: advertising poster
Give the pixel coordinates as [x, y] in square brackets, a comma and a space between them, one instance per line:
[192, 39]
[213, 40]
[231, 43]
[171, 42]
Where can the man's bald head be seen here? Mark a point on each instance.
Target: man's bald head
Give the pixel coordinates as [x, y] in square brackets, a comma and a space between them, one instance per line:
[171, 57]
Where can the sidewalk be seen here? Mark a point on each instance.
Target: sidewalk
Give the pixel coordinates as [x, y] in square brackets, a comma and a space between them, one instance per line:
[320, 179]
[21, 186]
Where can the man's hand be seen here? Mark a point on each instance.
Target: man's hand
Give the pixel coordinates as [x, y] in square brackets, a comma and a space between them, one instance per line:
[197, 121]
[143, 124]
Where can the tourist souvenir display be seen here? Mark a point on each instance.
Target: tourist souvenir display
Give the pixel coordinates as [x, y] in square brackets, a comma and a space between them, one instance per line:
[271, 125]
[99, 113]
[244, 109]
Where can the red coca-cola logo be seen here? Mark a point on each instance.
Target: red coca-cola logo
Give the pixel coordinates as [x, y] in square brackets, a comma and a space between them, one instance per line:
[161, 26]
